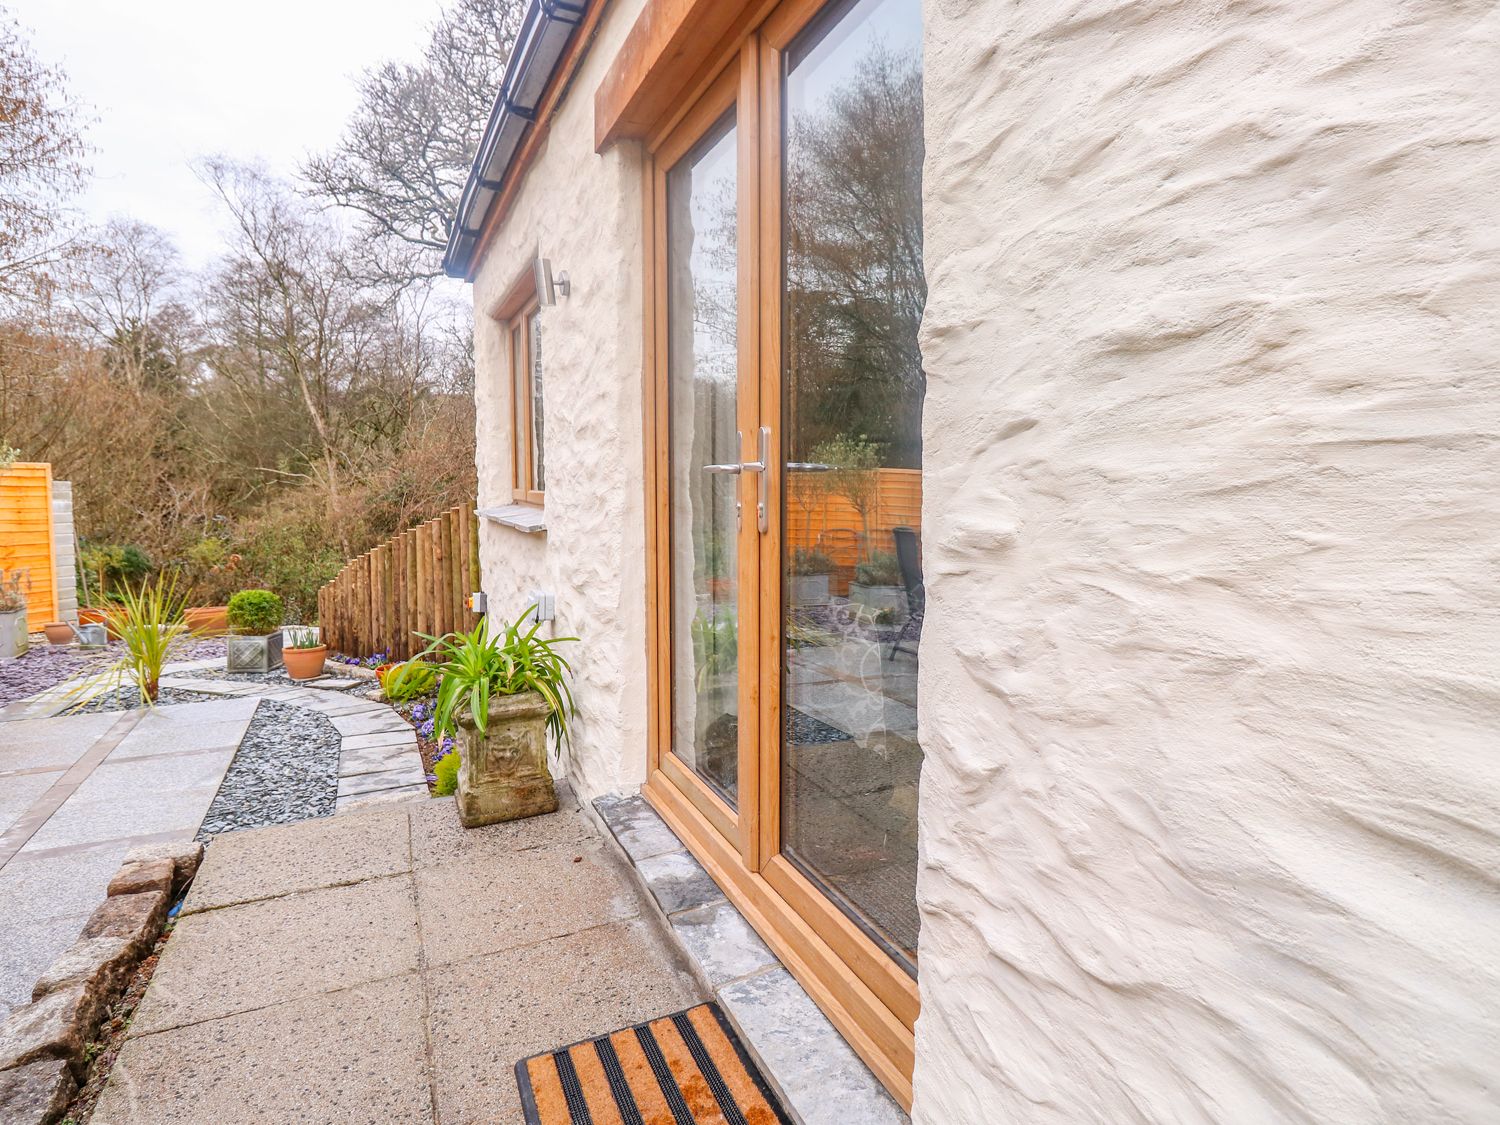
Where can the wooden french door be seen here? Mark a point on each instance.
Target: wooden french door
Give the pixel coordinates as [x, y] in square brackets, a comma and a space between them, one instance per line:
[784, 430]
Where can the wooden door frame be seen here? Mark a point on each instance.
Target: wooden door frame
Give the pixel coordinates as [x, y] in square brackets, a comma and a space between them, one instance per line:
[869, 997]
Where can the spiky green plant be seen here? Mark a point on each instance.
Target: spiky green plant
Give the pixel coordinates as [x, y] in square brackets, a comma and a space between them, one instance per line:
[148, 620]
[476, 665]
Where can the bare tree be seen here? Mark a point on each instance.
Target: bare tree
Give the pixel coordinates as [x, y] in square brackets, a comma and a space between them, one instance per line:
[41, 161]
[406, 152]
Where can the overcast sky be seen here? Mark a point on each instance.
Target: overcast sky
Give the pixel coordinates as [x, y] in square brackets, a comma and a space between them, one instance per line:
[171, 80]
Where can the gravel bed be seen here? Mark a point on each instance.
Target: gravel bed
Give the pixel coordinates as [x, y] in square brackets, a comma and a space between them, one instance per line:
[286, 770]
[44, 665]
[128, 698]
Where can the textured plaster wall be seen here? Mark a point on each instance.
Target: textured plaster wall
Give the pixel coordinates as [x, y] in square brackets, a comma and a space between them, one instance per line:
[1211, 671]
[583, 211]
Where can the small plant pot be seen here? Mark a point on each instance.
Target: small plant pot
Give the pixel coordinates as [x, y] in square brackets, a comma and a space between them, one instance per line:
[252, 654]
[58, 632]
[304, 663]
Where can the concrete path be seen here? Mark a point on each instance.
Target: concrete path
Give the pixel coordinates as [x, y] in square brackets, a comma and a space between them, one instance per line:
[79, 791]
[389, 966]
[76, 793]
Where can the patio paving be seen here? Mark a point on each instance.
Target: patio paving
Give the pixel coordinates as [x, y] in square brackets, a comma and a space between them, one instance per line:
[79, 791]
[389, 966]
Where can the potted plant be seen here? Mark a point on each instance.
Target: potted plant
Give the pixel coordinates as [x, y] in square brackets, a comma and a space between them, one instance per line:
[877, 586]
[807, 577]
[58, 632]
[303, 652]
[14, 639]
[149, 623]
[501, 695]
[254, 641]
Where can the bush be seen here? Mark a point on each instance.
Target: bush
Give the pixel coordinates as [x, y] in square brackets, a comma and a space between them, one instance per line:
[409, 680]
[811, 562]
[255, 612]
[445, 769]
[880, 569]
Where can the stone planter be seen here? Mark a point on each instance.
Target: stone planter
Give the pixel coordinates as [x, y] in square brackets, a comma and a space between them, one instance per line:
[304, 663]
[13, 638]
[807, 589]
[58, 632]
[877, 598]
[503, 772]
[207, 620]
[252, 654]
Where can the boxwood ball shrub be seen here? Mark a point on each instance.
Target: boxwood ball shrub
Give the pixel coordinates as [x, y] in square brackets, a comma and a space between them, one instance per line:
[255, 613]
[445, 769]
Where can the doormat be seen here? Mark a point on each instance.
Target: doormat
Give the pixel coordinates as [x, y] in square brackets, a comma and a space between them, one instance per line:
[684, 1069]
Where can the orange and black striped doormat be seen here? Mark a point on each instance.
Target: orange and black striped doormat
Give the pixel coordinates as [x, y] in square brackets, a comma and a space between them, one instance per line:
[685, 1069]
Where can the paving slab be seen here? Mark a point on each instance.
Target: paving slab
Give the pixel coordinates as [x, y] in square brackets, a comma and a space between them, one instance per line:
[355, 1057]
[408, 772]
[471, 909]
[382, 720]
[489, 1013]
[816, 1072]
[19, 792]
[373, 759]
[361, 802]
[637, 827]
[34, 942]
[403, 737]
[722, 943]
[246, 866]
[243, 957]
[678, 882]
[58, 742]
[437, 836]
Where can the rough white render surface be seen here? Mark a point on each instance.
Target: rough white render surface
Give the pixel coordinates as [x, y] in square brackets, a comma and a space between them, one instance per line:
[1211, 670]
[583, 211]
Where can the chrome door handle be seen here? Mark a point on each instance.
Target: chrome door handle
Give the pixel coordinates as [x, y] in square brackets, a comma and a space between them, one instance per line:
[762, 520]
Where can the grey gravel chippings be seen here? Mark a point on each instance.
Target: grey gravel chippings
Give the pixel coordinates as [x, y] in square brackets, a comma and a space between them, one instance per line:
[286, 770]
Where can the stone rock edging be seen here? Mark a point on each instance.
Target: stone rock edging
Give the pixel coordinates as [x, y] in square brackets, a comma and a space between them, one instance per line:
[42, 1044]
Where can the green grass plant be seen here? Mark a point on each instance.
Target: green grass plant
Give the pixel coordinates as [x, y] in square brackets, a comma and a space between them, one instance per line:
[478, 664]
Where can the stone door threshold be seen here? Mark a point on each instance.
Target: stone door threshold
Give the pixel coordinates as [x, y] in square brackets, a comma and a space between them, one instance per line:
[819, 1077]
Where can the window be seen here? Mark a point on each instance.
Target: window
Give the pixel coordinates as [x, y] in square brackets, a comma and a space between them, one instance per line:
[523, 335]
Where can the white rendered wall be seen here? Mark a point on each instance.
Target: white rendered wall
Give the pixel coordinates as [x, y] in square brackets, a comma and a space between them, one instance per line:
[1211, 670]
[583, 211]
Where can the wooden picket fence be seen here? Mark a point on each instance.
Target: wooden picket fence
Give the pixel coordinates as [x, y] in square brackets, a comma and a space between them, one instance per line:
[417, 582]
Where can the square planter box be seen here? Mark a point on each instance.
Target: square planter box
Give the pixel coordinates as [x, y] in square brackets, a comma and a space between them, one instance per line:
[252, 654]
[13, 637]
[807, 589]
[877, 598]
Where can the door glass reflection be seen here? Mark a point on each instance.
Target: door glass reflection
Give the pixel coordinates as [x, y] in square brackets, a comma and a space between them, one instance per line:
[702, 361]
[853, 386]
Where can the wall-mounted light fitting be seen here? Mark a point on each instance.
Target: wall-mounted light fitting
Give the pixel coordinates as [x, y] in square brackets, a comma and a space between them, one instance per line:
[547, 288]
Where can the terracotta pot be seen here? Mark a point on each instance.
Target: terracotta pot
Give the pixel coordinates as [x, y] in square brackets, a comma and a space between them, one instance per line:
[58, 632]
[207, 620]
[304, 663]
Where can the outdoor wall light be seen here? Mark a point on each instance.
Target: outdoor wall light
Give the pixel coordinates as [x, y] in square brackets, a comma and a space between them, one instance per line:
[547, 288]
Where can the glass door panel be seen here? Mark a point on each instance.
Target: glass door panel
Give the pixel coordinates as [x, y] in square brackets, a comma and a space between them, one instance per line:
[702, 396]
[852, 386]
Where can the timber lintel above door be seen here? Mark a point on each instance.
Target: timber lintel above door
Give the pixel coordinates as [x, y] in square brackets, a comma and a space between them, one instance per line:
[673, 47]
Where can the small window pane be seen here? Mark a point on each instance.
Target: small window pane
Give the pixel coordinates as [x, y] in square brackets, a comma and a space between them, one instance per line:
[538, 466]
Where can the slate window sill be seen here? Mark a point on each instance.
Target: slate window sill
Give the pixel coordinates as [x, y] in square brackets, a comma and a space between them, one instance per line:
[525, 518]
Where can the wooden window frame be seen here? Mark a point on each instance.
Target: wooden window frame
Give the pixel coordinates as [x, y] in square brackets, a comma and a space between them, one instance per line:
[869, 996]
[513, 313]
